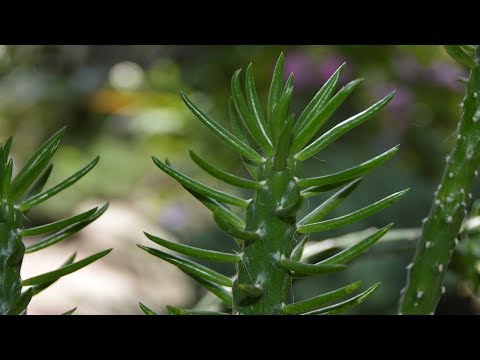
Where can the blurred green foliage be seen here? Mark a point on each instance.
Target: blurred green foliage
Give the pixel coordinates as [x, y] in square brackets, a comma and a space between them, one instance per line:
[123, 103]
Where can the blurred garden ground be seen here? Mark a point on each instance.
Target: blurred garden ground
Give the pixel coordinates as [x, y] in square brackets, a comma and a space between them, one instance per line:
[123, 103]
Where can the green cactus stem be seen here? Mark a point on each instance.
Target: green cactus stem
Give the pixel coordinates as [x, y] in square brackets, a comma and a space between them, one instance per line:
[441, 227]
[269, 235]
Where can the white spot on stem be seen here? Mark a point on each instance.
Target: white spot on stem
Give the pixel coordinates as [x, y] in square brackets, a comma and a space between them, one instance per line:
[409, 266]
[450, 175]
[440, 267]
[443, 290]
[428, 244]
[449, 219]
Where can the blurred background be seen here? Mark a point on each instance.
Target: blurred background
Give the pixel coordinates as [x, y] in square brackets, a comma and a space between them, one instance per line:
[123, 103]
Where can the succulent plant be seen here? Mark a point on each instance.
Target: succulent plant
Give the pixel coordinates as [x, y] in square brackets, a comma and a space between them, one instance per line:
[441, 227]
[18, 195]
[270, 238]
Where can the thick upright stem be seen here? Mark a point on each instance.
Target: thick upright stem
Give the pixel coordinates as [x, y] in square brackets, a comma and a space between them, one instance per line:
[426, 273]
[11, 257]
[271, 214]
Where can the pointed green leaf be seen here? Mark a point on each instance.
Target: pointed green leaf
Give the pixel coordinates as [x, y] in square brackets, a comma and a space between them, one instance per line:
[252, 99]
[22, 302]
[146, 310]
[70, 312]
[57, 225]
[16, 256]
[56, 274]
[172, 310]
[190, 267]
[224, 135]
[47, 194]
[283, 144]
[257, 130]
[320, 116]
[352, 217]
[66, 232]
[39, 288]
[353, 251]
[280, 114]
[40, 182]
[300, 269]
[250, 290]
[346, 305]
[248, 236]
[215, 289]
[222, 210]
[195, 252]
[352, 173]
[316, 190]
[7, 177]
[236, 122]
[468, 49]
[199, 187]
[457, 54]
[317, 301]
[297, 251]
[34, 166]
[319, 100]
[223, 175]
[334, 133]
[276, 86]
[331, 203]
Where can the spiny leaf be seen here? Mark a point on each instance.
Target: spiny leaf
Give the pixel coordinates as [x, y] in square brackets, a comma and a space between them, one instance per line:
[280, 114]
[252, 99]
[222, 210]
[319, 100]
[215, 289]
[258, 132]
[34, 166]
[346, 305]
[22, 302]
[228, 138]
[283, 145]
[190, 267]
[70, 312]
[348, 254]
[351, 173]
[199, 187]
[40, 182]
[316, 190]
[172, 310]
[39, 288]
[317, 301]
[194, 251]
[457, 54]
[276, 86]
[57, 225]
[250, 290]
[47, 194]
[7, 177]
[320, 116]
[300, 269]
[352, 217]
[146, 310]
[334, 133]
[56, 274]
[66, 232]
[248, 236]
[297, 251]
[331, 203]
[223, 175]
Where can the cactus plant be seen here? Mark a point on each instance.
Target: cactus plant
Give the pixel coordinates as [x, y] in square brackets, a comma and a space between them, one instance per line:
[440, 229]
[18, 195]
[270, 237]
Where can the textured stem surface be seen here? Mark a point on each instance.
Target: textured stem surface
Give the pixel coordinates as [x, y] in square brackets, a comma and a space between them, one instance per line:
[426, 273]
[11, 257]
[260, 265]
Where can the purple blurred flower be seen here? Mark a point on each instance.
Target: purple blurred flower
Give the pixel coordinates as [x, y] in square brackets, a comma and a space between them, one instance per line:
[300, 64]
[328, 66]
[446, 74]
[407, 68]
